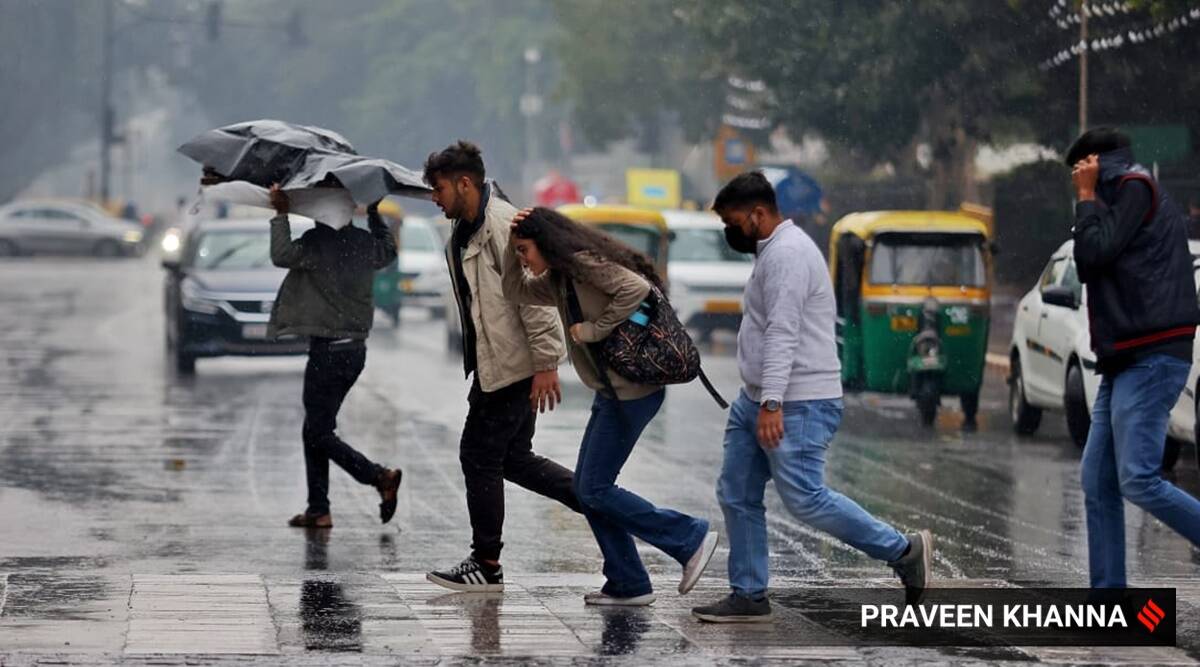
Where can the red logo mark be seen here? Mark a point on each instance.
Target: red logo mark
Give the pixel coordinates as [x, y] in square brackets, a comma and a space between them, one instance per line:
[1151, 615]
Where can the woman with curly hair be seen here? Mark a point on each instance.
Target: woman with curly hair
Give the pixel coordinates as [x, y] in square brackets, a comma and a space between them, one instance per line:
[551, 256]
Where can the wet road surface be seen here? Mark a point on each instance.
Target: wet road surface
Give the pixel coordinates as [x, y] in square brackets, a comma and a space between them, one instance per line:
[144, 513]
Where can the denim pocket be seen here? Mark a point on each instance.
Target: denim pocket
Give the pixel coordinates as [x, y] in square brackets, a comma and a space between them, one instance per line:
[814, 422]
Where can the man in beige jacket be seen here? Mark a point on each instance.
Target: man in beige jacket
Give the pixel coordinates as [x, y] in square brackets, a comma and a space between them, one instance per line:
[513, 352]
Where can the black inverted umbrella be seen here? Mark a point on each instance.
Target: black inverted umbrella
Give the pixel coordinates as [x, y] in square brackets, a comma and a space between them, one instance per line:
[265, 152]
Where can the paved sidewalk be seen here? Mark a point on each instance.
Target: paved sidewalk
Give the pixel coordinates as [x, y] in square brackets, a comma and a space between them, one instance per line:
[370, 618]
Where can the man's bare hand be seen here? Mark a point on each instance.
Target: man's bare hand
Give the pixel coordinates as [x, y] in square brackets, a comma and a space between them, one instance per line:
[521, 215]
[1085, 175]
[279, 200]
[770, 428]
[547, 392]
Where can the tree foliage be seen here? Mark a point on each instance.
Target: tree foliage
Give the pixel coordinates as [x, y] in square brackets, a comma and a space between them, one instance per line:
[876, 78]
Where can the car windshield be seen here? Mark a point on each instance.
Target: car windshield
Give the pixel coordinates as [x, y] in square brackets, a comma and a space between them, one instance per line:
[418, 236]
[703, 245]
[230, 250]
[641, 239]
[928, 259]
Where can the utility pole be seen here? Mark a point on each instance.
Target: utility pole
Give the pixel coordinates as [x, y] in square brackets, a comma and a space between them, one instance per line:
[213, 21]
[1083, 66]
[531, 105]
[106, 110]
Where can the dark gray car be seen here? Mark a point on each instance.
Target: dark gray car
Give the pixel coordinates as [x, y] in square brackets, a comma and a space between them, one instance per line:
[219, 293]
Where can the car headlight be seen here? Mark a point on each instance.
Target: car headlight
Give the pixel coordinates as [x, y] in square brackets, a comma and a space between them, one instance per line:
[195, 300]
[171, 241]
[132, 236]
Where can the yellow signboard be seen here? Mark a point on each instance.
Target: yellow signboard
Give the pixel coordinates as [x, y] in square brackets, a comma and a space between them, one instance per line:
[657, 188]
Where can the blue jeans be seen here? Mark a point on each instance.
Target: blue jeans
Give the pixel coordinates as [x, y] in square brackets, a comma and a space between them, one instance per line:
[798, 468]
[1123, 459]
[616, 515]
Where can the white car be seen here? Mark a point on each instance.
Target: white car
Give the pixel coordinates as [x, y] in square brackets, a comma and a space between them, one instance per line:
[424, 278]
[52, 226]
[1052, 366]
[707, 277]
[1185, 416]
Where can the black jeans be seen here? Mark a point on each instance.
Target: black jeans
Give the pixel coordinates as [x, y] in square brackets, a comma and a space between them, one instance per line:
[331, 372]
[497, 445]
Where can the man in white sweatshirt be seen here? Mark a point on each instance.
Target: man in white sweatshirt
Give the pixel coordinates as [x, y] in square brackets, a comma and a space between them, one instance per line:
[789, 409]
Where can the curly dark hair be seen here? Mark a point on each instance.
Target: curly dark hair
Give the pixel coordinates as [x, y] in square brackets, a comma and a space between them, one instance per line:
[461, 157]
[558, 238]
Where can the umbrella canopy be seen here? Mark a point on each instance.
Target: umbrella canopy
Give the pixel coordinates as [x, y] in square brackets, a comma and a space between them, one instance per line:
[265, 152]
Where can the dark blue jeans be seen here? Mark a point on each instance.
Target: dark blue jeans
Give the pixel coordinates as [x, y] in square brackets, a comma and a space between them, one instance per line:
[616, 515]
[1123, 461]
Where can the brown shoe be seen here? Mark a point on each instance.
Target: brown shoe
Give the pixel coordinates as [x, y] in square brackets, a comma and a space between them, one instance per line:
[388, 486]
[307, 520]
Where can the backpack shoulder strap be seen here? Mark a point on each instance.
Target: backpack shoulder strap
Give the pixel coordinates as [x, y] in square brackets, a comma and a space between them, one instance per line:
[574, 310]
[575, 314]
[712, 391]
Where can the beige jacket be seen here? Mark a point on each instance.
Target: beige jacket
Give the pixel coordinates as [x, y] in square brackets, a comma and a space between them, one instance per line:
[608, 294]
[513, 341]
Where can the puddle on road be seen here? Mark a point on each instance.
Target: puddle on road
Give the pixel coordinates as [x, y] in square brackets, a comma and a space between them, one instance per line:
[623, 630]
[328, 620]
[54, 597]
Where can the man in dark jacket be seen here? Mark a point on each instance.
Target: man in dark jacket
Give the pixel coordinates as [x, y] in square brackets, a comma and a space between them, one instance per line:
[1131, 251]
[327, 297]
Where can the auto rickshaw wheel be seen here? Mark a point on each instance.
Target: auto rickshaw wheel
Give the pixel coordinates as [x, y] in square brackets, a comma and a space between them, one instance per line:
[1025, 417]
[928, 396]
[970, 408]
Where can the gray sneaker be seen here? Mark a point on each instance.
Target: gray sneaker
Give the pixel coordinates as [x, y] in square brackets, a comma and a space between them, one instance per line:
[915, 567]
[735, 609]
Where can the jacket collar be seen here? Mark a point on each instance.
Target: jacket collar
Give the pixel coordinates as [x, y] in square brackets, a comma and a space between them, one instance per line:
[1115, 166]
[762, 245]
[477, 232]
[481, 232]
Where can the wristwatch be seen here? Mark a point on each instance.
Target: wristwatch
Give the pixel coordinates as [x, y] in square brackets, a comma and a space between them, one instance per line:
[771, 405]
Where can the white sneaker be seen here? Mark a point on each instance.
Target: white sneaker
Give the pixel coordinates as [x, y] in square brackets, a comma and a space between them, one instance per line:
[602, 599]
[698, 563]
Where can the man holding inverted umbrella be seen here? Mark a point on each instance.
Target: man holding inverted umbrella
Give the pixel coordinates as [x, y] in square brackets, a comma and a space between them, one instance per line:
[326, 295]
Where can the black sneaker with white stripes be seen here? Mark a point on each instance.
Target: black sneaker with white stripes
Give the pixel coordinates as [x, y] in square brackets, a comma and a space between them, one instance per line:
[470, 576]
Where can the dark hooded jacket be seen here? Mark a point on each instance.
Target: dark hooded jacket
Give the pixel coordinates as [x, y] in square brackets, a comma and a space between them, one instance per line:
[327, 292]
[1131, 250]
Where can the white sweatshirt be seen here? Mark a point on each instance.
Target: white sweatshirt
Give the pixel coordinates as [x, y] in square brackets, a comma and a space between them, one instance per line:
[787, 349]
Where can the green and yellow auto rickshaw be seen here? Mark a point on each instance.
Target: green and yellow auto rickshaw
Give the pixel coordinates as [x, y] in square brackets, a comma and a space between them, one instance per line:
[913, 304]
